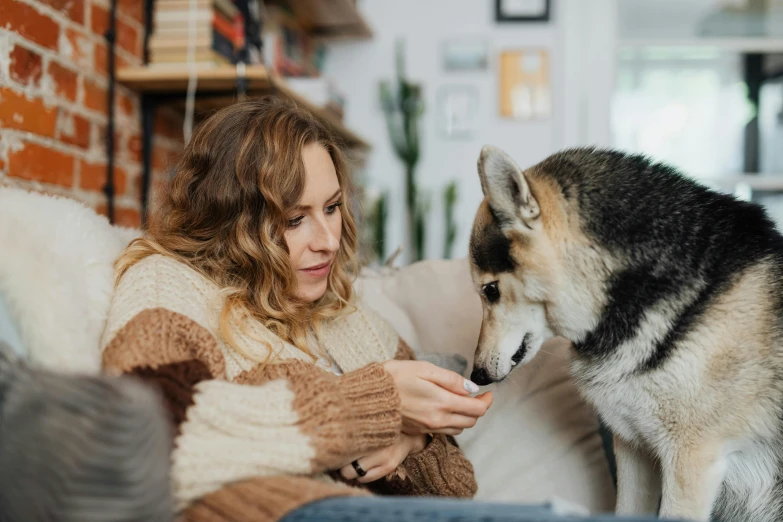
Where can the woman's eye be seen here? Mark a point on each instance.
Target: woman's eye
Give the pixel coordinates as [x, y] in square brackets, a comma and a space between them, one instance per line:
[491, 291]
[293, 223]
[331, 209]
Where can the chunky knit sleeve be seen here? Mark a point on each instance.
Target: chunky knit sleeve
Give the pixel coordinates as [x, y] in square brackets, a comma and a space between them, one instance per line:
[440, 469]
[287, 419]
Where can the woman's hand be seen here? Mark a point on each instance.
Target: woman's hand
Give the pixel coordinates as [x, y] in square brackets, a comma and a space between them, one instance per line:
[435, 400]
[382, 462]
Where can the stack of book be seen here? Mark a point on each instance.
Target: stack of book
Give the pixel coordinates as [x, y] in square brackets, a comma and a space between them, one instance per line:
[217, 37]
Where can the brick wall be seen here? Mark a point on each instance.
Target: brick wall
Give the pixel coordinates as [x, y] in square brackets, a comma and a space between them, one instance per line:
[53, 105]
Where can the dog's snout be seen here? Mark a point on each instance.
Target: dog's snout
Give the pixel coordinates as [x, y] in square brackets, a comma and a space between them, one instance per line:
[480, 376]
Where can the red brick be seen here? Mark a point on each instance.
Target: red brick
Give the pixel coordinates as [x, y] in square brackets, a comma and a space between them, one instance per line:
[73, 129]
[132, 8]
[101, 61]
[134, 148]
[126, 217]
[93, 177]
[38, 163]
[124, 103]
[120, 62]
[65, 81]
[94, 96]
[78, 49]
[73, 9]
[99, 17]
[21, 113]
[128, 38]
[26, 66]
[21, 18]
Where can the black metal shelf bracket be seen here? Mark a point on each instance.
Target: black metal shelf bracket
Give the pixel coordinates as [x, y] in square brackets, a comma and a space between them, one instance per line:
[111, 39]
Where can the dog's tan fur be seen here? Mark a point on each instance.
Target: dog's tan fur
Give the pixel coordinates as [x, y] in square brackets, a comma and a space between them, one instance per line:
[707, 421]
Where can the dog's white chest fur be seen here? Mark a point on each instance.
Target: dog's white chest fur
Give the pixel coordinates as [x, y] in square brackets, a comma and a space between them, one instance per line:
[748, 468]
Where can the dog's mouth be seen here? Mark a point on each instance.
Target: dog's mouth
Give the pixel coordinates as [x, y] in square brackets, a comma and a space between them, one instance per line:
[482, 377]
[521, 352]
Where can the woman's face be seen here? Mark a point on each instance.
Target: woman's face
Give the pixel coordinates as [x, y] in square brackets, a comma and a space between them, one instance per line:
[315, 224]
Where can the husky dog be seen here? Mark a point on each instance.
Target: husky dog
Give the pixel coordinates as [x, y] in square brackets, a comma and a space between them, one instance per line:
[671, 295]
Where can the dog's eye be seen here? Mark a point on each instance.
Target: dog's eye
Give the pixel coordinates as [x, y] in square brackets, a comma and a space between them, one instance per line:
[491, 291]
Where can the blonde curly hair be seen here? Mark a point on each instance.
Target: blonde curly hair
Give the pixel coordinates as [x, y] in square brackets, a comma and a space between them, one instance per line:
[225, 213]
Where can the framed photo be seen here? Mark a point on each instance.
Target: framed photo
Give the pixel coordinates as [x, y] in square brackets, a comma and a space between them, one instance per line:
[465, 54]
[522, 10]
[524, 84]
[457, 110]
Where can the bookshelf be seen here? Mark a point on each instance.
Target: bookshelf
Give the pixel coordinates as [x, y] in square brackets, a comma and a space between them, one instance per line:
[217, 86]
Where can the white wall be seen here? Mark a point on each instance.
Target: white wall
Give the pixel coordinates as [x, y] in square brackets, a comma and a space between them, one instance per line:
[579, 92]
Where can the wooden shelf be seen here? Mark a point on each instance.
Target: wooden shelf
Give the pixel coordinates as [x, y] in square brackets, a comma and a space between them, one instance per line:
[216, 87]
[161, 80]
[331, 19]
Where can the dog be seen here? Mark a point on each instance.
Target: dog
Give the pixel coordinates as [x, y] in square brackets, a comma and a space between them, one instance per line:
[672, 297]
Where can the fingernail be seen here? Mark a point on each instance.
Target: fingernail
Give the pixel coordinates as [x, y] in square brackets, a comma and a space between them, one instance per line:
[471, 386]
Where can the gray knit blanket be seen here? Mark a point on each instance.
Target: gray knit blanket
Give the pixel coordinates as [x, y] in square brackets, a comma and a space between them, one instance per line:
[86, 449]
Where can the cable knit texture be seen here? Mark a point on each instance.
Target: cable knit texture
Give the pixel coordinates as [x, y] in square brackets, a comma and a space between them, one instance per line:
[255, 441]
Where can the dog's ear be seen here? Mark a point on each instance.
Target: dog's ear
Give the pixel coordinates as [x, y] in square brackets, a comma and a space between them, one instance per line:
[506, 188]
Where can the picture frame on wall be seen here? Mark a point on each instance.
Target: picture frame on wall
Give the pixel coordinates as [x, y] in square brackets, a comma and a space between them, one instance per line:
[522, 10]
[457, 111]
[465, 54]
[525, 90]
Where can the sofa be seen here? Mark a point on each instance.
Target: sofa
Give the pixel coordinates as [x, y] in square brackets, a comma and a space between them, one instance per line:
[539, 441]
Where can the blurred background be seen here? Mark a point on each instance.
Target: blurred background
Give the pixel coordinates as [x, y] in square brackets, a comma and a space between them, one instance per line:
[97, 97]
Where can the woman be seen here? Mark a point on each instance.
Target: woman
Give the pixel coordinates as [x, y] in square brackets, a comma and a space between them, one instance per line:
[281, 388]
[238, 305]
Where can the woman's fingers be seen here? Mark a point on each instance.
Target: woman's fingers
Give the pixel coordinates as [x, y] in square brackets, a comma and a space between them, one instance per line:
[373, 474]
[348, 473]
[448, 431]
[449, 380]
[365, 463]
[468, 406]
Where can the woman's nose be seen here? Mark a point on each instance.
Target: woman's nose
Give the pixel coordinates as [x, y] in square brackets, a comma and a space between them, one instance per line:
[325, 239]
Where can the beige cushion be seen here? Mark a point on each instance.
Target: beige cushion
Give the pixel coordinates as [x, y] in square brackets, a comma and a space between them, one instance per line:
[539, 440]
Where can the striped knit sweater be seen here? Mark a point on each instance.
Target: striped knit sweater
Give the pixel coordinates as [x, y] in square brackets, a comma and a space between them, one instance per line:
[253, 442]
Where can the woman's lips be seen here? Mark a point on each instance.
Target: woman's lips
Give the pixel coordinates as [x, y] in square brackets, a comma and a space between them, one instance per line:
[318, 270]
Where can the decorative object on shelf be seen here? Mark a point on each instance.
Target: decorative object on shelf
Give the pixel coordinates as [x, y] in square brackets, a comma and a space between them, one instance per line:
[253, 13]
[522, 10]
[524, 84]
[290, 50]
[450, 195]
[403, 106]
[457, 110]
[465, 54]
[214, 28]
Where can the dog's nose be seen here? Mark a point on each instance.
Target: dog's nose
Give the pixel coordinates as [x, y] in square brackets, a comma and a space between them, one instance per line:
[480, 376]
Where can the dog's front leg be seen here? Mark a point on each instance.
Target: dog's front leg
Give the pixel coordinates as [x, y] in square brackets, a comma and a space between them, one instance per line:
[692, 478]
[638, 481]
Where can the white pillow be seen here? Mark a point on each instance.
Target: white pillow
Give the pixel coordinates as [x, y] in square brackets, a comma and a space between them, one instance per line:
[57, 277]
[539, 440]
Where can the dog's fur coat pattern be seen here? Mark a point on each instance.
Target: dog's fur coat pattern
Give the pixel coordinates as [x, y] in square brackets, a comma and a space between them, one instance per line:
[671, 296]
